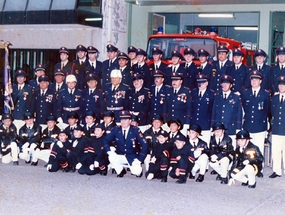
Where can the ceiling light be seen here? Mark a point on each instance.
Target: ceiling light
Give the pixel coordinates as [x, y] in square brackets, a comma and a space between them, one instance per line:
[93, 19]
[216, 15]
[246, 28]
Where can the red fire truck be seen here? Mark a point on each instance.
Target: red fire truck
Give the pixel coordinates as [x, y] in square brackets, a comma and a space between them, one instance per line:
[196, 40]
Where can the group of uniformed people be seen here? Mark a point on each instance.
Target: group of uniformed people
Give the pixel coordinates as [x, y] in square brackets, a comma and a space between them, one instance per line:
[179, 118]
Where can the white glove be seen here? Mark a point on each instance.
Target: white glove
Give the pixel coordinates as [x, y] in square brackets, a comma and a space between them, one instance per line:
[60, 144]
[246, 162]
[197, 153]
[0, 117]
[26, 145]
[96, 164]
[153, 159]
[150, 176]
[136, 162]
[48, 167]
[91, 167]
[42, 145]
[111, 153]
[231, 181]
[78, 166]
[60, 121]
[214, 158]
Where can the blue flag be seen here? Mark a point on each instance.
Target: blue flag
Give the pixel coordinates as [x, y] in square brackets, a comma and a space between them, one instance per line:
[8, 101]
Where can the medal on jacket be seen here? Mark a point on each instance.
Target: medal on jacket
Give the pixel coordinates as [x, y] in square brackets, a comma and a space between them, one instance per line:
[260, 105]
[179, 97]
[141, 98]
[49, 98]
[161, 101]
[25, 97]
[76, 98]
[134, 143]
[96, 98]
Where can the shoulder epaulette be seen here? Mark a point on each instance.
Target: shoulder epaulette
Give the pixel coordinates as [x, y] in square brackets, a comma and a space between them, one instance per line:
[37, 90]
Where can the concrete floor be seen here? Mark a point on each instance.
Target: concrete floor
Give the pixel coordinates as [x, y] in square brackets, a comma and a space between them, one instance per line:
[25, 189]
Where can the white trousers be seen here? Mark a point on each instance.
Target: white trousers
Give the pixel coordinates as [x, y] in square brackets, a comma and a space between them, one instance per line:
[278, 153]
[118, 162]
[200, 164]
[206, 136]
[13, 155]
[221, 166]
[43, 154]
[258, 140]
[29, 152]
[246, 174]
[146, 162]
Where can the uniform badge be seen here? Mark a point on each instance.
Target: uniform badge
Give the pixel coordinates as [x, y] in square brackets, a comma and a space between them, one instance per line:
[96, 98]
[25, 97]
[161, 101]
[133, 143]
[77, 98]
[260, 105]
[49, 98]
[141, 135]
[141, 98]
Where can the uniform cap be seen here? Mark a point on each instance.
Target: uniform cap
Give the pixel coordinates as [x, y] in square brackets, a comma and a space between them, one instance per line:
[81, 48]
[123, 55]
[203, 52]
[157, 117]
[125, 114]
[218, 126]
[135, 118]
[223, 49]
[91, 76]
[158, 73]
[63, 50]
[65, 131]
[132, 49]
[43, 78]
[189, 51]
[176, 76]
[78, 128]
[259, 52]
[109, 113]
[175, 120]
[59, 72]
[162, 132]
[116, 73]
[202, 78]
[90, 113]
[176, 54]
[7, 116]
[138, 76]
[255, 75]
[238, 52]
[196, 128]
[111, 48]
[72, 115]
[99, 125]
[179, 137]
[39, 67]
[280, 50]
[71, 78]
[227, 79]
[92, 49]
[281, 80]
[243, 134]
[20, 73]
[51, 118]
[155, 50]
[28, 115]
[141, 52]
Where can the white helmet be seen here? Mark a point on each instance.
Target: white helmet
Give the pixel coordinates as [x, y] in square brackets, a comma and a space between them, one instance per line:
[70, 78]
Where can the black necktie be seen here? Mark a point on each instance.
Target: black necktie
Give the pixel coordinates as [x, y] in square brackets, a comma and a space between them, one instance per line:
[282, 99]
[219, 141]
[156, 92]
[221, 65]
[110, 63]
[124, 135]
[57, 89]
[173, 69]
[113, 89]
[259, 68]
[200, 94]
[254, 94]
[225, 96]
[156, 67]
[93, 65]
[175, 92]
[71, 92]
[236, 68]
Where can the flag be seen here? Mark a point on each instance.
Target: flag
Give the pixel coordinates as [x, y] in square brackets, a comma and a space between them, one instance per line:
[8, 101]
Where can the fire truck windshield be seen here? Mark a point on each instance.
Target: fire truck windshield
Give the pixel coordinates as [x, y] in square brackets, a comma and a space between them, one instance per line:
[168, 44]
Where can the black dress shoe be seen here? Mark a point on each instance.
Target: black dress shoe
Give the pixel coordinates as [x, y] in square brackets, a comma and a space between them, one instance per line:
[103, 172]
[180, 181]
[121, 175]
[45, 166]
[218, 178]
[27, 162]
[244, 184]
[213, 172]
[72, 169]
[16, 163]
[259, 175]
[159, 177]
[224, 180]
[200, 178]
[114, 171]
[252, 186]
[66, 169]
[34, 163]
[274, 175]
[164, 179]
[191, 176]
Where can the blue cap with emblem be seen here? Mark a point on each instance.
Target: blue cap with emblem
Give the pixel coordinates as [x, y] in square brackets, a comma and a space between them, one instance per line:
[28, 115]
[259, 52]
[218, 126]
[51, 118]
[254, 74]
[81, 48]
[281, 80]
[90, 113]
[141, 52]
[158, 73]
[138, 76]
[7, 116]
[20, 73]
[99, 125]
[132, 49]
[179, 137]
[111, 48]
[92, 49]
[202, 78]
[72, 115]
[176, 76]
[280, 50]
[175, 53]
[156, 51]
[203, 53]
[123, 55]
[78, 128]
[43, 78]
[125, 114]
[223, 48]
[91, 77]
[157, 117]
[63, 50]
[196, 128]
[238, 52]
[189, 51]
[59, 72]
[163, 133]
[227, 79]
[39, 67]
